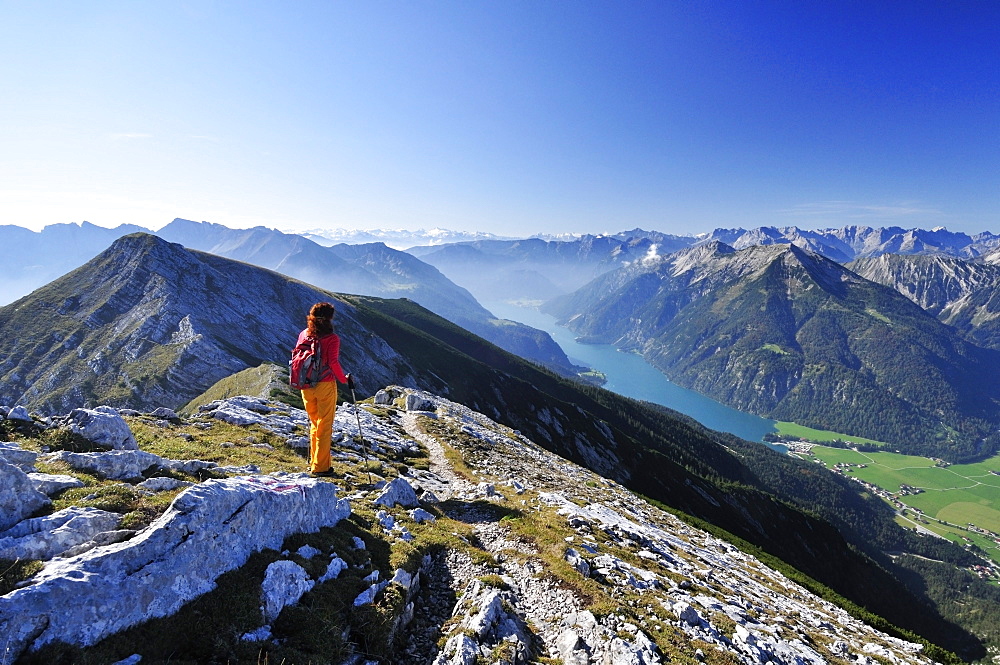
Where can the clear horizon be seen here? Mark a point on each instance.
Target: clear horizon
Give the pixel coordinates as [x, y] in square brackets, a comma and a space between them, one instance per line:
[513, 118]
[416, 230]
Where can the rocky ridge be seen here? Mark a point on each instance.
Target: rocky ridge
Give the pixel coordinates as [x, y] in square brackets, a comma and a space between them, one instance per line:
[961, 293]
[497, 550]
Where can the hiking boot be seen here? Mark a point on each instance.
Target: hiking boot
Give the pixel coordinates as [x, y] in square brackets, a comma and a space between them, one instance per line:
[322, 474]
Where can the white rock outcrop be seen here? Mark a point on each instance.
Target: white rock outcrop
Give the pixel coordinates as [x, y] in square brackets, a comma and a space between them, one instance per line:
[418, 402]
[398, 492]
[14, 454]
[246, 410]
[285, 582]
[18, 496]
[44, 538]
[163, 484]
[20, 414]
[208, 530]
[51, 484]
[104, 426]
[486, 624]
[114, 464]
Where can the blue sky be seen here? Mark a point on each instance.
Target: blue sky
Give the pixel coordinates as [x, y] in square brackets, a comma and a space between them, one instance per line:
[510, 117]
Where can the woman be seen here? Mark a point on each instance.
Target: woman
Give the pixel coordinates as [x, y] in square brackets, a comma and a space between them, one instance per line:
[321, 401]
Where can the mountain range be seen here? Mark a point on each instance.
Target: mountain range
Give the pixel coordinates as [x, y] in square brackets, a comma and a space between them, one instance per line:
[394, 238]
[151, 323]
[372, 269]
[538, 270]
[852, 242]
[965, 295]
[535, 269]
[787, 333]
[814, 364]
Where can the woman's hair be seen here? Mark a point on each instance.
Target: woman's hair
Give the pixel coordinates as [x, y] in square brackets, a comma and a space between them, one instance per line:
[320, 319]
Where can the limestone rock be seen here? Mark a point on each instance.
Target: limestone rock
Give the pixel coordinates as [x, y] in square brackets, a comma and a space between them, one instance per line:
[262, 634]
[367, 597]
[51, 484]
[285, 582]
[244, 410]
[334, 569]
[163, 484]
[417, 402]
[307, 552]
[641, 651]
[458, 650]
[419, 515]
[688, 614]
[134, 659]
[19, 413]
[104, 426]
[100, 539]
[164, 412]
[574, 559]
[18, 496]
[398, 493]
[44, 538]
[188, 466]
[114, 464]
[208, 530]
[14, 454]
[488, 624]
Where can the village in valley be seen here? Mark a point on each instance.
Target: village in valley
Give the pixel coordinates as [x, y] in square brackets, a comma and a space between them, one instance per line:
[972, 536]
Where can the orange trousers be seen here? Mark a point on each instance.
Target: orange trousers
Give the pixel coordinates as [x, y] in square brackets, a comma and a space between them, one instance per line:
[321, 407]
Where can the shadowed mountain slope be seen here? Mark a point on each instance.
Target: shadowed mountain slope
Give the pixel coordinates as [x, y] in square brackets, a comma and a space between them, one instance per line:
[786, 333]
[371, 269]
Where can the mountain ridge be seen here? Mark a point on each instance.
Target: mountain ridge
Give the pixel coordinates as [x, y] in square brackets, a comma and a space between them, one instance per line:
[787, 333]
[124, 312]
[475, 547]
[371, 269]
[960, 293]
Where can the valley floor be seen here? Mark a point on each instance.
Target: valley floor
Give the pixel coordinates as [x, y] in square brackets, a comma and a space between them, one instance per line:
[960, 502]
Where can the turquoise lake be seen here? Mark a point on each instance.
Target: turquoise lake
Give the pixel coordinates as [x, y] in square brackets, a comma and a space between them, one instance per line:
[629, 375]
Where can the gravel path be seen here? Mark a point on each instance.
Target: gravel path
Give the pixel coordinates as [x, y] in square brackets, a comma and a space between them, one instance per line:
[540, 601]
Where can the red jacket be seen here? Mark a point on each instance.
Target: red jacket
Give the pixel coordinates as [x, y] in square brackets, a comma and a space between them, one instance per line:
[329, 349]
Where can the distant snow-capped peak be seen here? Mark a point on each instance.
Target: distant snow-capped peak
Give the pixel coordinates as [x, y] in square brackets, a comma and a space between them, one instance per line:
[395, 238]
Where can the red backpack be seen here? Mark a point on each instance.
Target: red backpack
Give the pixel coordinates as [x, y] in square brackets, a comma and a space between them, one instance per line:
[306, 368]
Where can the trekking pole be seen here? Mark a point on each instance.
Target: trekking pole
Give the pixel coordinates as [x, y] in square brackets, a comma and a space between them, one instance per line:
[364, 449]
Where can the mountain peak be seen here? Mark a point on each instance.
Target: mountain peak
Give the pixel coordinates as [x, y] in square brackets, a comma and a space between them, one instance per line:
[152, 323]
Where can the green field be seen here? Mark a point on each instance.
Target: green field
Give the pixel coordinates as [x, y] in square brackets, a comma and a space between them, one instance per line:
[952, 497]
[794, 430]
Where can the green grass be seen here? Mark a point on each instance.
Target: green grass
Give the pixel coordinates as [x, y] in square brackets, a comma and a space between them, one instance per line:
[959, 494]
[775, 349]
[878, 315]
[833, 456]
[12, 572]
[267, 380]
[206, 444]
[820, 435]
